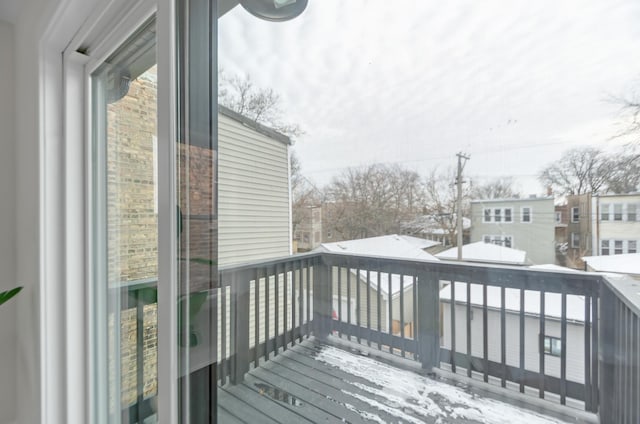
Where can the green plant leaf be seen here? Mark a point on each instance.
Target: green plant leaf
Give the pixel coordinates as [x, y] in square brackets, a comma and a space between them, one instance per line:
[6, 295]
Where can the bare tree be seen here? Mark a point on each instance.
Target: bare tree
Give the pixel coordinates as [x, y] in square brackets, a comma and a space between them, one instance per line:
[441, 201]
[578, 171]
[262, 105]
[497, 188]
[304, 194]
[373, 201]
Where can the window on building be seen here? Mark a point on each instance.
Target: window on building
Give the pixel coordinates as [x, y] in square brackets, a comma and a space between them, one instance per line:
[575, 240]
[632, 246]
[552, 346]
[329, 234]
[558, 217]
[507, 215]
[617, 212]
[497, 215]
[632, 212]
[604, 212]
[507, 241]
[487, 239]
[487, 215]
[526, 214]
[617, 247]
[604, 247]
[575, 214]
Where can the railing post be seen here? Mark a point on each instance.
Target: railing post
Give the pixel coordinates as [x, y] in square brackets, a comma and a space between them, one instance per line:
[606, 354]
[241, 295]
[321, 299]
[428, 331]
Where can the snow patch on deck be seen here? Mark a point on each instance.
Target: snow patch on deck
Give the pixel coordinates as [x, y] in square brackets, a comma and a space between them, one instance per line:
[410, 396]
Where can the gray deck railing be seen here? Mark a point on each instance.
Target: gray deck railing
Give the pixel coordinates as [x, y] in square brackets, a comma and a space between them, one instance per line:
[620, 351]
[266, 307]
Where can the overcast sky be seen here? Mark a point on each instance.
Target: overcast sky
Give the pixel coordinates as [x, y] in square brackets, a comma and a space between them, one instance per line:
[511, 83]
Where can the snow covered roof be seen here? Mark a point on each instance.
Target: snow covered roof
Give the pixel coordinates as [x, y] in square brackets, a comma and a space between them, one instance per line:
[420, 243]
[553, 267]
[628, 263]
[391, 246]
[486, 252]
[552, 305]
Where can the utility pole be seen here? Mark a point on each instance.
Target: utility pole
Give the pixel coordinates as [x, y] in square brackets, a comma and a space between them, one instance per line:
[459, 228]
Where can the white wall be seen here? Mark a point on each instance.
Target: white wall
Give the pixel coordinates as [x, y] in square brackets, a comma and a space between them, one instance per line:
[575, 340]
[8, 333]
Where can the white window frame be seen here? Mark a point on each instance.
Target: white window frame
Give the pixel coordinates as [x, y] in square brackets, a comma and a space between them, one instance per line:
[635, 246]
[628, 216]
[522, 211]
[67, 393]
[605, 245]
[575, 211]
[620, 214]
[575, 240]
[616, 250]
[504, 215]
[605, 212]
[498, 239]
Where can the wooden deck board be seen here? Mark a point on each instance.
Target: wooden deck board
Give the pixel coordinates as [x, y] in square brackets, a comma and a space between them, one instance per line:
[250, 407]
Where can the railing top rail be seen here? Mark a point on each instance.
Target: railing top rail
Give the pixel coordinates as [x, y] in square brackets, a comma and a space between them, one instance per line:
[552, 281]
[625, 288]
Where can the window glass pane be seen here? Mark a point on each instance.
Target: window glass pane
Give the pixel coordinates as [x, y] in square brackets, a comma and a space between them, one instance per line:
[507, 215]
[125, 223]
[631, 212]
[497, 215]
[604, 212]
[617, 212]
[632, 246]
[487, 215]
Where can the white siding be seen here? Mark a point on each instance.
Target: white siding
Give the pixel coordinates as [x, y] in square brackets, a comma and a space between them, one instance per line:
[575, 340]
[253, 194]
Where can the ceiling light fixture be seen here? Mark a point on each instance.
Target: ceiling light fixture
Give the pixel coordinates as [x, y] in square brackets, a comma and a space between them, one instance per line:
[275, 10]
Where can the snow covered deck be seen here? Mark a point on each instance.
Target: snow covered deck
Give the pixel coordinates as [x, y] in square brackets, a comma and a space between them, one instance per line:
[315, 383]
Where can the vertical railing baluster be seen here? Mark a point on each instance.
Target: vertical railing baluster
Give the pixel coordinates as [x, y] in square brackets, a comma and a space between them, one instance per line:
[414, 295]
[308, 311]
[285, 314]
[635, 372]
[139, 351]
[358, 304]
[522, 371]
[503, 338]
[390, 317]
[349, 303]
[541, 345]
[267, 289]
[368, 307]
[378, 305]
[276, 310]
[485, 334]
[469, 366]
[293, 303]
[587, 354]
[563, 349]
[256, 319]
[340, 318]
[402, 311]
[453, 326]
[223, 342]
[301, 298]
[595, 340]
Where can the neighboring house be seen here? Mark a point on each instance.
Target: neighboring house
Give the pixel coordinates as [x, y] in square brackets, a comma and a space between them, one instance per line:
[562, 222]
[391, 246]
[616, 224]
[525, 224]
[534, 342]
[579, 230]
[628, 263]
[486, 253]
[308, 233]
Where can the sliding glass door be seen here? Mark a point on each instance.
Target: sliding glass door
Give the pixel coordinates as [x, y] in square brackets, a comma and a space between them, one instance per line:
[143, 213]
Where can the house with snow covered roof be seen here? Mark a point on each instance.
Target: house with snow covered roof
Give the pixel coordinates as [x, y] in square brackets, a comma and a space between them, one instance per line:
[548, 342]
[627, 263]
[527, 224]
[486, 253]
[356, 284]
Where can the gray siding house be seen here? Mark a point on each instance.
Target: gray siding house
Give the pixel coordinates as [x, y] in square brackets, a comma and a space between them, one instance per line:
[524, 224]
